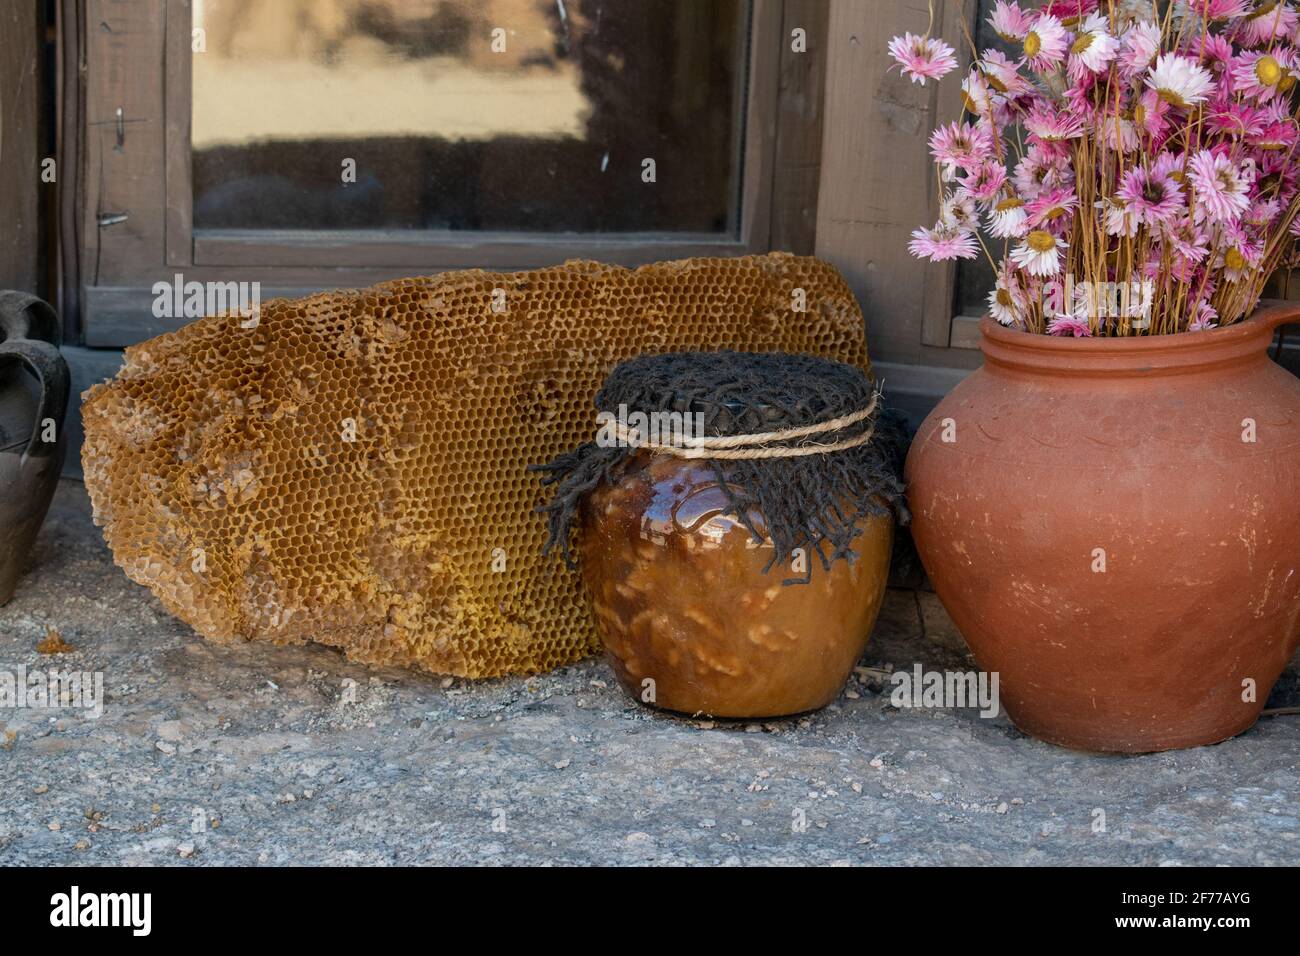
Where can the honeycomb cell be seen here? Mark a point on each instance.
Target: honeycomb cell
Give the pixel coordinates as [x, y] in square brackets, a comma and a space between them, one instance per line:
[344, 471]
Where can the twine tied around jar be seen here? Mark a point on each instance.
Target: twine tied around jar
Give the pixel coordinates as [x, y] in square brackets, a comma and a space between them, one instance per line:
[770, 428]
[761, 444]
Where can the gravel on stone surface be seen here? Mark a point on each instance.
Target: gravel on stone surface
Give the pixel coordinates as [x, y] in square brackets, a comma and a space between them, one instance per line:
[207, 754]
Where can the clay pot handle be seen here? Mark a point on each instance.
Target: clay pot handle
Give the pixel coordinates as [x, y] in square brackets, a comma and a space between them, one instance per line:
[1275, 312]
[49, 367]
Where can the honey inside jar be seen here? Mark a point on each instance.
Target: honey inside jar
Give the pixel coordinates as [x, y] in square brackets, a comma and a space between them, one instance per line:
[690, 619]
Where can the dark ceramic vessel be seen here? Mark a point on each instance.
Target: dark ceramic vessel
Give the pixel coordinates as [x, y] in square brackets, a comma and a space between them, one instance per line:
[32, 442]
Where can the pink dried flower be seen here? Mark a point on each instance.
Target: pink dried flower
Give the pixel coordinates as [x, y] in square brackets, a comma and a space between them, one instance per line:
[1120, 219]
[1152, 116]
[1233, 118]
[1262, 213]
[942, 244]
[958, 212]
[1122, 135]
[1238, 254]
[1271, 20]
[1217, 10]
[1046, 43]
[1170, 165]
[1214, 50]
[960, 146]
[1222, 189]
[1182, 270]
[1277, 135]
[1093, 46]
[1257, 74]
[1007, 111]
[1151, 198]
[985, 182]
[1204, 318]
[1189, 242]
[1048, 126]
[1004, 75]
[925, 58]
[1069, 10]
[1009, 21]
[977, 95]
[1075, 325]
[1008, 219]
[1007, 302]
[1039, 253]
[1180, 80]
[1090, 98]
[1275, 177]
[1138, 49]
[1052, 208]
[1041, 170]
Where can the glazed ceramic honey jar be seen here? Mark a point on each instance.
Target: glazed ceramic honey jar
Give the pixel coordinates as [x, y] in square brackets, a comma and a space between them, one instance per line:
[733, 524]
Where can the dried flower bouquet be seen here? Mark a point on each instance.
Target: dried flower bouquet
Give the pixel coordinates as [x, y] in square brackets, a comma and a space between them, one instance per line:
[1135, 158]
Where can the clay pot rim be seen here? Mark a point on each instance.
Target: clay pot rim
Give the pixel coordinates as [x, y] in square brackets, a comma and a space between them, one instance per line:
[1243, 341]
[1269, 315]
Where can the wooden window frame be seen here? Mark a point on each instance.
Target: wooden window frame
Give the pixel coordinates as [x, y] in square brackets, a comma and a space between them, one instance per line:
[127, 82]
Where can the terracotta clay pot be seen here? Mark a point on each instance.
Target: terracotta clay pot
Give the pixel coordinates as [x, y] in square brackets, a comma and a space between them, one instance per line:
[1114, 525]
[690, 621]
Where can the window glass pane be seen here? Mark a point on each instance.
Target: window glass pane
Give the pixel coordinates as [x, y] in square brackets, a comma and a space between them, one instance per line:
[448, 132]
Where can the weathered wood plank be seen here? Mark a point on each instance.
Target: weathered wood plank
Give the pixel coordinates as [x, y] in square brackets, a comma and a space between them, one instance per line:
[125, 138]
[178, 104]
[20, 132]
[759, 150]
[877, 183]
[941, 285]
[802, 89]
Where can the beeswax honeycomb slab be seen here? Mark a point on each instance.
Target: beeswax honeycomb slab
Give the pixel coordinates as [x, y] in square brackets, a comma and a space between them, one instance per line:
[351, 470]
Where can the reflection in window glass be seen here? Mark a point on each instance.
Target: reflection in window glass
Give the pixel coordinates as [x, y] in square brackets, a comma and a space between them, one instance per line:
[500, 115]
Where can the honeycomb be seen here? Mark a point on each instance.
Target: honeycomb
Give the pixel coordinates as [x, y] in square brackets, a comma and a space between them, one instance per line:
[351, 470]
